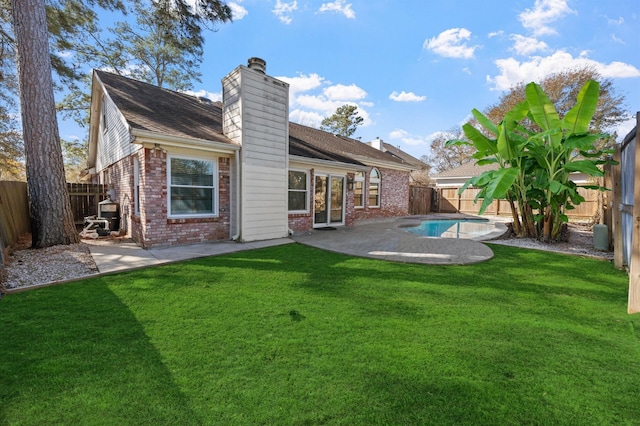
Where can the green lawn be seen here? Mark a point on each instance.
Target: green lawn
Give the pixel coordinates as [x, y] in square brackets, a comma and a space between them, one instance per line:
[296, 335]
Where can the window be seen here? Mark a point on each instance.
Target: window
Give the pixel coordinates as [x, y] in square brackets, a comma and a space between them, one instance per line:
[298, 191]
[358, 190]
[136, 186]
[374, 188]
[191, 184]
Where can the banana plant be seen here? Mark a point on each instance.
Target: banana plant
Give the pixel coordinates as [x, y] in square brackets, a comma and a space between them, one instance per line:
[536, 151]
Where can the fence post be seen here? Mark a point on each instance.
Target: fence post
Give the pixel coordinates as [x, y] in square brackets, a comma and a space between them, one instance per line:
[634, 266]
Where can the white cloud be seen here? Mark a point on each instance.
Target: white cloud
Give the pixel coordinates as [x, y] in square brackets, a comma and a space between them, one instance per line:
[213, 96]
[338, 6]
[527, 45]
[237, 10]
[544, 13]
[513, 71]
[340, 92]
[407, 138]
[406, 97]
[306, 118]
[312, 98]
[625, 127]
[284, 10]
[617, 40]
[495, 34]
[451, 43]
[618, 21]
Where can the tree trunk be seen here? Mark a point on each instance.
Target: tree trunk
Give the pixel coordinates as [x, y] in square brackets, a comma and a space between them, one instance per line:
[517, 227]
[51, 216]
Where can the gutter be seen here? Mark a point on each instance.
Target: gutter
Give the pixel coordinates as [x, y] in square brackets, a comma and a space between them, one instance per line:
[146, 137]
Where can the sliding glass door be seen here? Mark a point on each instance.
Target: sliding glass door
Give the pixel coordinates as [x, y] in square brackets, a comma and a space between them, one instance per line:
[328, 207]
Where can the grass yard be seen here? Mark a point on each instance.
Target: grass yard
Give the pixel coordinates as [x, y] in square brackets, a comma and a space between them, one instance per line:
[295, 335]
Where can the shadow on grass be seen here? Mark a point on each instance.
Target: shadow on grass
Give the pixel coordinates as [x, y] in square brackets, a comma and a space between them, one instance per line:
[75, 354]
[511, 270]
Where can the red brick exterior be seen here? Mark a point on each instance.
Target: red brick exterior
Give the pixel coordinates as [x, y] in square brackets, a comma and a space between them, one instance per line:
[394, 201]
[151, 227]
[394, 197]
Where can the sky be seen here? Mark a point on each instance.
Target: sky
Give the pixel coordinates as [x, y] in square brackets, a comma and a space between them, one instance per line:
[416, 68]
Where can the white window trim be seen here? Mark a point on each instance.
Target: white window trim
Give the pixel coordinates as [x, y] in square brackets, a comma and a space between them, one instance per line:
[359, 177]
[306, 198]
[216, 189]
[377, 180]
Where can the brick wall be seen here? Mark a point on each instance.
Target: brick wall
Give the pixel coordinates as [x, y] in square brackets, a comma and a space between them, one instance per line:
[394, 201]
[394, 197]
[152, 227]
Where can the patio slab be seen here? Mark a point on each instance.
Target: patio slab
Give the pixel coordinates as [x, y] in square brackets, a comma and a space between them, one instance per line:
[388, 241]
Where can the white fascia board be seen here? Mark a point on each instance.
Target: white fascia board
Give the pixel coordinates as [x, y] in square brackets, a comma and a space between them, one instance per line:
[384, 164]
[143, 137]
[326, 163]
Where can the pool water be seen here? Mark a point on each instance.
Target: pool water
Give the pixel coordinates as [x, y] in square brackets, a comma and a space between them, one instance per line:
[452, 228]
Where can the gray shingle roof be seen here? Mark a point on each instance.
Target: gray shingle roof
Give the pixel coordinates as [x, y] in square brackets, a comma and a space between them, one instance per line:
[151, 108]
[466, 170]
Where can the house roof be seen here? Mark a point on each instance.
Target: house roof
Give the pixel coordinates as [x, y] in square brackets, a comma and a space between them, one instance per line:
[403, 156]
[154, 109]
[466, 170]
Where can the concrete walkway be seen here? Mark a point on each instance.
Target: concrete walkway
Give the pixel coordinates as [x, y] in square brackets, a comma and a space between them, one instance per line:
[383, 240]
[119, 256]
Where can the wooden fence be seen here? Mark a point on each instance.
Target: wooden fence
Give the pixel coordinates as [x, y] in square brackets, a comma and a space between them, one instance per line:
[15, 220]
[420, 200]
[626, 213]
[449, 201]
[84, 199]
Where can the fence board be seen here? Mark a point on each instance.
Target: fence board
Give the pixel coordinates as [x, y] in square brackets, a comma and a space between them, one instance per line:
[15, 220]
[420, 200]
[450, 202]
[84, 198]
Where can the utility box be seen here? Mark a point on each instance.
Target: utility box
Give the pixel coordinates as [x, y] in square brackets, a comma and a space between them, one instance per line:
[110, 211]
[601, 237]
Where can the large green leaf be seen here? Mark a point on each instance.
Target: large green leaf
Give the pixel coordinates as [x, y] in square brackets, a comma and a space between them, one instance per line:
[516, 114]
[484, 121]
[584, 166]
[578, 118]
[543, 112]
[480, 141]
[582, 141]
[503, 180]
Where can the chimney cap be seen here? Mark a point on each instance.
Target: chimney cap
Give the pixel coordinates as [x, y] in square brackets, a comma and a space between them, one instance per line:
[257, 64]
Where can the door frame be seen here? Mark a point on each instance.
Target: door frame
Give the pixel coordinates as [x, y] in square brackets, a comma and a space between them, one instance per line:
[330, 176]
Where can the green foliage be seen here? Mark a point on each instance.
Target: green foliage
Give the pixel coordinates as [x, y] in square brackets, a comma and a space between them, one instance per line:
[536, 160]
[343, 122]
[292, 335]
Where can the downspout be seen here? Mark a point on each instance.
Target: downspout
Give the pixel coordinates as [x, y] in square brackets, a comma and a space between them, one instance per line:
[237, 212]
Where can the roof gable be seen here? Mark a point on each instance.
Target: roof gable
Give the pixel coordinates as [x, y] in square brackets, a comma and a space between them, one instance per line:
[154, 109]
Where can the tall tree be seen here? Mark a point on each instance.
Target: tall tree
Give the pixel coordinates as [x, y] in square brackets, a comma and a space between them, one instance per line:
[343, 122]
[563, 88]
[51, 216]
[446, 157]
[183, 20]
[11, 149]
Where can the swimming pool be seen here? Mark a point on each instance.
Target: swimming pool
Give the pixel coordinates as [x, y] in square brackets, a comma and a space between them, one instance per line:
[452, 228]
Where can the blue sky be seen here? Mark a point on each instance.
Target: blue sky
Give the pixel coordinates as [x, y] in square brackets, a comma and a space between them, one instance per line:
[417, 67]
